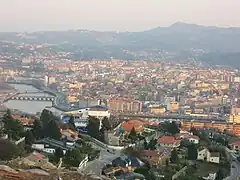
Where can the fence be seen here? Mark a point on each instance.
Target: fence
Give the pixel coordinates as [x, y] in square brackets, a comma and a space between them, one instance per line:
[179, 173]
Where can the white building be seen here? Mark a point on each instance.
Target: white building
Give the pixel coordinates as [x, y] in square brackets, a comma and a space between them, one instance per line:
[81, 115]
[206, 155]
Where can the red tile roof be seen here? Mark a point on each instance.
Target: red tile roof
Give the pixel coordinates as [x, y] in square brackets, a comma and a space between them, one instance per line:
[128, 126]
[167, 140]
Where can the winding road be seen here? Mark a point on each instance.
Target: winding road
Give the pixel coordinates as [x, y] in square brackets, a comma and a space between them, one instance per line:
[235, 168]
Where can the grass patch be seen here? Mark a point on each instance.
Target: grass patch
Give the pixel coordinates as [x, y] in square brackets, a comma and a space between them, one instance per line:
[204, 168]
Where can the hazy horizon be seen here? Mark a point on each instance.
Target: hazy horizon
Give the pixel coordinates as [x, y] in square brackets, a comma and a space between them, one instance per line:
[114, 15]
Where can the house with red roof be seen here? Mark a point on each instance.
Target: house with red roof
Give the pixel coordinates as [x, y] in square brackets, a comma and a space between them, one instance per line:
[136, 124]
[169, 142]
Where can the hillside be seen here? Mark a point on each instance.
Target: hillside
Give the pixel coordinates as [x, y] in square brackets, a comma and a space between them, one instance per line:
[178, 41]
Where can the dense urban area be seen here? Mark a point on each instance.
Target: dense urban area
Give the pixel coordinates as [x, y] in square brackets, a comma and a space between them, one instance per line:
[110, 118]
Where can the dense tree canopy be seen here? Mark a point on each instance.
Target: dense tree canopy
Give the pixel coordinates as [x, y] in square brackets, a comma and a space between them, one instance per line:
[192, 152]
[49, 125]
[174, 156]
[93, 127]
[133, 135]
[169, 127]
[12, 127]
[151, 145]
[106, 124]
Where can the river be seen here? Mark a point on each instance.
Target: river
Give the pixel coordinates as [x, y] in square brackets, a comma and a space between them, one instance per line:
[31, 107]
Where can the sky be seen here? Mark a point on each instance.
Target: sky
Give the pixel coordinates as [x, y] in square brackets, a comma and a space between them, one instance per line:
[117, 15]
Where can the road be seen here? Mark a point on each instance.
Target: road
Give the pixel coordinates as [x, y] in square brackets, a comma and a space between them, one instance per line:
[96, 166]
[235, 168]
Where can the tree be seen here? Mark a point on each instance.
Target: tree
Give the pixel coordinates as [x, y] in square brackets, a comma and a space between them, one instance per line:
[73, 157]
[58, 154]
[194, 131]
[47, 126]
[192, 152]
[106, 124]
[220, 175]
[37, 129]
[46, 117]
[173, 128]
[93, 127]
[146, 172]
[133, 135]
[145, 144]
[152, 144]
[29, 138]
[168, 127]
[71, 123]
[12, 127]
[174, 156]
[53, 131]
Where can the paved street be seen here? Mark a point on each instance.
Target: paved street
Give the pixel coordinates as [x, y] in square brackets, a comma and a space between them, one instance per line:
[235, 168]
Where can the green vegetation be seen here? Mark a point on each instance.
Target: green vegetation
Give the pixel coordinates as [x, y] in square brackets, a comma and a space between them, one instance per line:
[73, 157]
[94, 129]
[192, 152]
[174, 156]
[151, 145]
[133, 135]
[12, 127]
[169, 128]
[49, 125]
[146, 171]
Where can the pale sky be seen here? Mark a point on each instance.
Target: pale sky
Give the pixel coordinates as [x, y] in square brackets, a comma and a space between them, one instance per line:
[122, 15]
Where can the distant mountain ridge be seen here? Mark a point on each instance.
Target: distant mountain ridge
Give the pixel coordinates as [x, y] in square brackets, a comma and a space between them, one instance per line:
[181, 40]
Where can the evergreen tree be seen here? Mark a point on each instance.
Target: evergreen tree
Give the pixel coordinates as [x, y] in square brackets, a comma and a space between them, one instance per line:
[192, 152]
[53, 130]
[173, 128]
[145, 144]
[29, 138]
[174, 156]
[49, 126]
[58, 154]
[38, 129]
[12, 127]
[46, 117]
[106, 124]
[133, 135]
[93, 127]
[152, 144]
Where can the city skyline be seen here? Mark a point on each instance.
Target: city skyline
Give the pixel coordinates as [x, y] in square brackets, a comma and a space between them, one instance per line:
[108, 15]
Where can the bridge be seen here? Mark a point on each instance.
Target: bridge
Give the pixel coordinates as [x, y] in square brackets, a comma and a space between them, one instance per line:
[32, 98]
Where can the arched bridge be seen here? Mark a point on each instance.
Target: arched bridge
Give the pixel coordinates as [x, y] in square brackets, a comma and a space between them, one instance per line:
[32, 98]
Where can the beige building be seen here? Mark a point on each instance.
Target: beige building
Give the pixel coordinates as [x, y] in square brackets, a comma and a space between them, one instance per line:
[123, 105]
